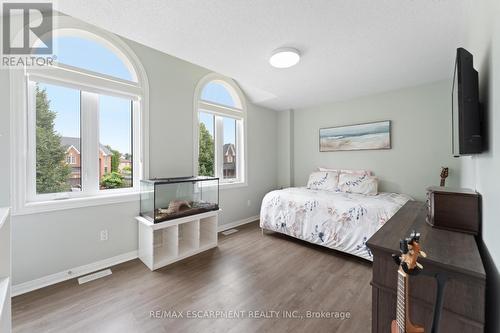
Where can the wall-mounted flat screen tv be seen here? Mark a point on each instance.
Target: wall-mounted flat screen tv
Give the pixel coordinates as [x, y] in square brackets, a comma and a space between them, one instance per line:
[466, 114]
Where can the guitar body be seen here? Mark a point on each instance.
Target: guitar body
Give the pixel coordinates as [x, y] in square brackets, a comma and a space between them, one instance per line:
[410, 328]
[394, 327]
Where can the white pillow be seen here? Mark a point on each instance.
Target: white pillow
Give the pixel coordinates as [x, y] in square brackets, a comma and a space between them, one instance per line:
[323, 180]
[326, 169]
[350, 171]
[356, 172]
[361, 184]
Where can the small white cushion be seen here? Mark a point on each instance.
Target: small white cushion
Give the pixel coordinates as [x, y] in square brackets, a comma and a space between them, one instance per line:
[362, 184]
[350, 171]
[323, 180]
[356, 172]
[328, 169]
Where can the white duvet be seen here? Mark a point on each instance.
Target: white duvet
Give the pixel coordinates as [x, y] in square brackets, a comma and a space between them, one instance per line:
[341, 221]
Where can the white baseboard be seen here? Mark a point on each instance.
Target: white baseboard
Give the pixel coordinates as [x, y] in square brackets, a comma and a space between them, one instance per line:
[235, 224]
[72, 273]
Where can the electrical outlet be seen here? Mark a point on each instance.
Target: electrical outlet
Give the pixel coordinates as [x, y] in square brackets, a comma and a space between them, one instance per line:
[249, 203]
[103, 235]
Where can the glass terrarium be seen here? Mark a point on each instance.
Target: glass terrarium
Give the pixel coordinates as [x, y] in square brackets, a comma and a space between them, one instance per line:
[164, 199]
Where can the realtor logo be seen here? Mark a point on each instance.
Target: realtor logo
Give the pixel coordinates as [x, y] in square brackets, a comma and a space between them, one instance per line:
[36, 24]
[27, 30]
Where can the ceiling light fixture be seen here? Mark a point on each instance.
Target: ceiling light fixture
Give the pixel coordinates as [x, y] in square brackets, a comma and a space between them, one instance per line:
[284, 57]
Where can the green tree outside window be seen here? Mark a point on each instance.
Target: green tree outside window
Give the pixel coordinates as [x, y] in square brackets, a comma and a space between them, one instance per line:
[52, 173]
[206, 153]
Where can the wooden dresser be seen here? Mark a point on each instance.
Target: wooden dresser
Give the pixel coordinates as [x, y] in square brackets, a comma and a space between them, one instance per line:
[451, 255]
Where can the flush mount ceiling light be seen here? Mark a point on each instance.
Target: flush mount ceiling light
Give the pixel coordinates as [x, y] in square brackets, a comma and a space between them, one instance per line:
[284, 57]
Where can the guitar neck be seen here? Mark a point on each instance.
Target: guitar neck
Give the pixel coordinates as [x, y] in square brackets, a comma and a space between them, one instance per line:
[402, 301]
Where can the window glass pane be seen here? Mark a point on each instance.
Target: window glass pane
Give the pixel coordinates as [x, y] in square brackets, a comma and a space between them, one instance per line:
[217, 93]
[90, 55]
[229, 149]
[115, 145]
[206, 158]
[58, 167]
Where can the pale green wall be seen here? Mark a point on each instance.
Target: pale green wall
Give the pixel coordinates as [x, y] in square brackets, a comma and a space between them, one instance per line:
[52, 242]
[4, 138]
[421, 138]
[284, 148]
[482, 171]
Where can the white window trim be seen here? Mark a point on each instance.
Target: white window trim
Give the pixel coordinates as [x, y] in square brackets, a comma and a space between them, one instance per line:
[19, 80]
[239, 113]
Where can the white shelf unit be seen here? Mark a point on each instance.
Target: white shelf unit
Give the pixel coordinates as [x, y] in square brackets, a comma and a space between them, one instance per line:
[5, 271]
[164, 243]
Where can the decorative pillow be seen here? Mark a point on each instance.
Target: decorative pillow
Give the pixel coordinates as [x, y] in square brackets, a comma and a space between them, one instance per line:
[349, 171]
[323, 180]
[362, 184]
[356, 172]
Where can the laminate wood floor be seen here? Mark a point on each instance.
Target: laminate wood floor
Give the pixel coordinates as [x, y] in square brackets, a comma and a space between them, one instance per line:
[247, 272]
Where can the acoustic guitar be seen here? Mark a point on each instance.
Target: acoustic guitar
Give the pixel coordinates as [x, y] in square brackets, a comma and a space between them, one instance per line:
[407, 266]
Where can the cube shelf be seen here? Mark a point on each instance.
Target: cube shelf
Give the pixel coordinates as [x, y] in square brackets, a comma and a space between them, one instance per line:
[188, 237]
[161, 244]
[165, 244]
[208, 231]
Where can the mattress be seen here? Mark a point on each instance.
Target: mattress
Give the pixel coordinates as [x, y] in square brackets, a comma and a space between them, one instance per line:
[340, 221]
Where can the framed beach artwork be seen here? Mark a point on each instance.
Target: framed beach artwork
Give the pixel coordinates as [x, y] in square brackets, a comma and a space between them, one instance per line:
[375, 135]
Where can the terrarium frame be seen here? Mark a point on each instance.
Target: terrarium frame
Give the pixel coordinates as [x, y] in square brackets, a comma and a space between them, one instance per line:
[178, 208]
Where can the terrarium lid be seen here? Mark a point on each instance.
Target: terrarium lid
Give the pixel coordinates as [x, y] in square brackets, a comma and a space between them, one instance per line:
[173, 180]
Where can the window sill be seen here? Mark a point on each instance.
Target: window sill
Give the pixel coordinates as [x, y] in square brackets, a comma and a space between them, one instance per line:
[224, 186]
[57, 205]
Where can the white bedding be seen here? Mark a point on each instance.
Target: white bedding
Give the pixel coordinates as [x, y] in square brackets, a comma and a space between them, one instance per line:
[341, 221]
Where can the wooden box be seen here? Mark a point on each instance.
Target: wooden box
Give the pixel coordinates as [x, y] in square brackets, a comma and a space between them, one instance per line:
[454, 209]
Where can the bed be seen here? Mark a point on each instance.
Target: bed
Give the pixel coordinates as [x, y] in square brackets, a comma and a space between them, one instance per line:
[337, 220]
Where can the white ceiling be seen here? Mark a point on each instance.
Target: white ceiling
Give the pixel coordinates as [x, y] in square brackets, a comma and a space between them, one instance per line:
[350, 48]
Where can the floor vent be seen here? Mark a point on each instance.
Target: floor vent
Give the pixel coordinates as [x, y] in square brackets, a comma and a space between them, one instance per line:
[94, 276]
[229, 232]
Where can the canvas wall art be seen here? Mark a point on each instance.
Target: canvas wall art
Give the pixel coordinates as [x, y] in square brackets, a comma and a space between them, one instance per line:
[375, 135]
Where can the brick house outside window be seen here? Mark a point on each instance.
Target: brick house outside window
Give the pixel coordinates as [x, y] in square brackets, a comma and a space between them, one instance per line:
[229, 167]
[72, 146]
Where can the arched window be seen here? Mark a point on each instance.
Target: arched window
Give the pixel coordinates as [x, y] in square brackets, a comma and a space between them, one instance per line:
[85, 118]
[99, 56]
[220, 120]
[220, 93]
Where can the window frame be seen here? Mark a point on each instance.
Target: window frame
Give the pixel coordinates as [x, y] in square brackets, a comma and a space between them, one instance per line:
[89, 137]
[23, 128]
[239, 113]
